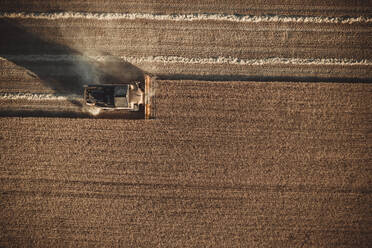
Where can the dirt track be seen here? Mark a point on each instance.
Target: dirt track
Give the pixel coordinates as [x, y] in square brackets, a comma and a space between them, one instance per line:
[280, 160]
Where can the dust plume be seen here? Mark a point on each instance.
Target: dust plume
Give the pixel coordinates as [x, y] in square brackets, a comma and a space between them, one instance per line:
[85, 70]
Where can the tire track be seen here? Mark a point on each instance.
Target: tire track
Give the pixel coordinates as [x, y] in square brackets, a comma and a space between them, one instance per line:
[77, 186]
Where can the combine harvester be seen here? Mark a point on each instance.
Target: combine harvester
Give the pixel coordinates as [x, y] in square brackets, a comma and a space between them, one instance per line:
[134, 97]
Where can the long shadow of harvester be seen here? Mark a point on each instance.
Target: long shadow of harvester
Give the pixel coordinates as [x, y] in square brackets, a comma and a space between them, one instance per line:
[59, 67]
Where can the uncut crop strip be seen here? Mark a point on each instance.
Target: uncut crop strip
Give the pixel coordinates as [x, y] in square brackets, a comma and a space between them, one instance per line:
[188, 17]
[177, 59]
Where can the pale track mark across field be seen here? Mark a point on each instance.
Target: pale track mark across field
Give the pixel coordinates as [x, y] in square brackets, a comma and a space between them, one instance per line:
[187, 17]
[38, 96]
[178, 59]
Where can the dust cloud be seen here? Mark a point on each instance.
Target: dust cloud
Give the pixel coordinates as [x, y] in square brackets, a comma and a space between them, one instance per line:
[94, 111]
[86, 71]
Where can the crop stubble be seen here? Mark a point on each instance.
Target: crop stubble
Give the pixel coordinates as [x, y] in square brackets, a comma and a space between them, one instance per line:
[200, 39]
[256, 163]
[225, 162]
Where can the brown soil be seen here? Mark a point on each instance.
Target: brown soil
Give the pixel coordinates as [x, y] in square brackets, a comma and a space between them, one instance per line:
[200, 39]
[269, 155]
[225, 163]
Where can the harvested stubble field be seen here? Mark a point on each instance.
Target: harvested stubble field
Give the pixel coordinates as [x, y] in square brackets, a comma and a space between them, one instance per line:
[280, 160]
